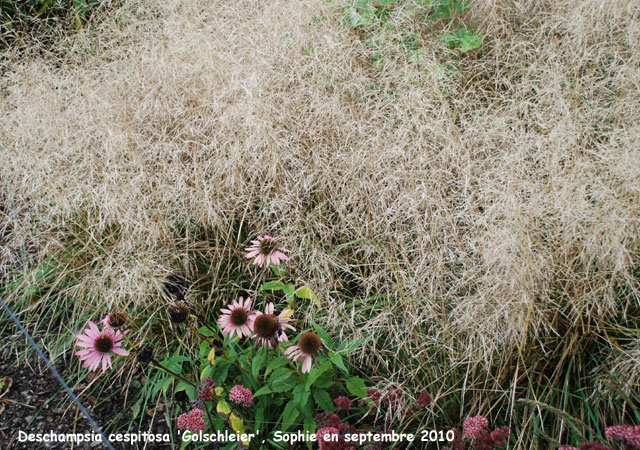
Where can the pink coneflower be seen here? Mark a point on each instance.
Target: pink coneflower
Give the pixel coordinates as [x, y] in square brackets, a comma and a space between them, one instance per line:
[568, 448]
[192, 421]
[305, 350]
[266, 250]
[269, 329]
[237, 318]
[474, 426]
[98, 345]
[241, 395]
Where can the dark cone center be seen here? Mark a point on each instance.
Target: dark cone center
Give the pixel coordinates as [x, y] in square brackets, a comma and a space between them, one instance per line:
[104, 344]
[179, 313]
[268, 246]
[116, 320]
[310, 343]
[239, 316]
[265, 325]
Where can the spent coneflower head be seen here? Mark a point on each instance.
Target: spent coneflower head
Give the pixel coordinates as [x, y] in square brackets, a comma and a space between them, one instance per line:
[176, 286]
[115, 320]
[270, 329]
[305, 350]
[145, 354]
[179, 313]
[97, 346]
[266, 250]
[237, 317]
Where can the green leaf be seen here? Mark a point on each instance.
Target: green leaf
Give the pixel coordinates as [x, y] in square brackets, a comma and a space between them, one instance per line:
[289, 290]
[464, 40]
[277, 271]
[323, 335]
[259, 417]
[188, 388]
[275, 364]
[174, 363]
[205, 331]
[461, 5]
[289, 415]
[357, 387]
[262, 391]
[258, 363]
[442, 10]
[206, 372]
[323, 383]
[280, 374]
[323, 399]
[275, 285]
[309, 429]
[284, 386]
[163, 383]
[316, 373]
[470, 40]
[351, 346]
[301, 396]
[337, 360]
[307, 292]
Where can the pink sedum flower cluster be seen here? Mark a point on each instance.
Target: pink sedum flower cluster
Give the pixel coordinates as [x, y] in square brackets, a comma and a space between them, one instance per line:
[192, 421]
[342, 402]
[424, 399]
[629, 434]
[241, 395]
[205, 390]
[474, 426]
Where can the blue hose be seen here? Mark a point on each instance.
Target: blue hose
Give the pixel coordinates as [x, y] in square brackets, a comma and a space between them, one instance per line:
[66, 387]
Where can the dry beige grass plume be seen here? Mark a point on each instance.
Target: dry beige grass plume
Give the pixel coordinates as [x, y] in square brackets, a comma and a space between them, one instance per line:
[485, 204]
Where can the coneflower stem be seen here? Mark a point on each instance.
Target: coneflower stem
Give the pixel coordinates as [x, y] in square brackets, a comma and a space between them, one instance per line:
[156, 365]
[202, 336]
[204, 324]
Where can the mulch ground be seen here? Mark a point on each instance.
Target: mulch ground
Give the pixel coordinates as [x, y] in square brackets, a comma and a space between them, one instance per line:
[32, 400]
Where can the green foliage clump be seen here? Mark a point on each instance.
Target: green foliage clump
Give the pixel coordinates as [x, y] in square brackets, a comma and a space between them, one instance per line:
[387, 23]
